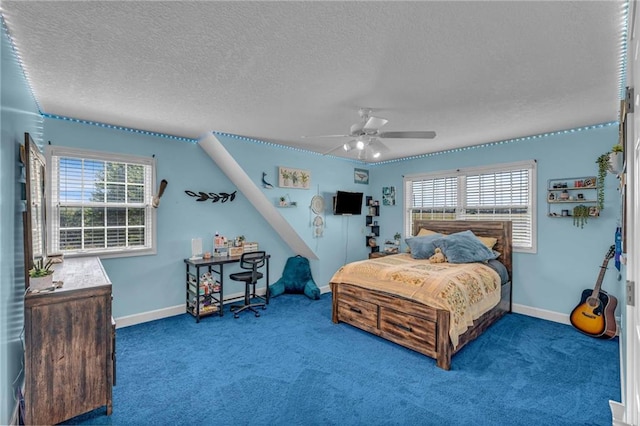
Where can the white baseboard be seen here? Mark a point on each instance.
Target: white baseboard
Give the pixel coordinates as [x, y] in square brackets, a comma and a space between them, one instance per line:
[541, 313]
[617, 414]
[171, 311]
[134, 319]
[549, 315]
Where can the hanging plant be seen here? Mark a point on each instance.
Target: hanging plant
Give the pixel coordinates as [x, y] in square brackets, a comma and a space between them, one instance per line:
[580, 215]
[603, 166]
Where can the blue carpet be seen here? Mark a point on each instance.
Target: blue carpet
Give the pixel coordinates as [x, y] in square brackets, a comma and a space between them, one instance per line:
[294, 366]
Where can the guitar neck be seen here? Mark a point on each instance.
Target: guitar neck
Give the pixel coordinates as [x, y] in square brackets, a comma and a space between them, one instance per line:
[603, 269]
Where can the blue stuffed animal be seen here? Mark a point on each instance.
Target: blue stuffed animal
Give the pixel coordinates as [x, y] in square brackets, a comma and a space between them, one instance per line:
[296, 278]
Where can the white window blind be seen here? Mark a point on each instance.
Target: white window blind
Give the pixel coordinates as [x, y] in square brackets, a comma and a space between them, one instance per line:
[501, 192]
[36, 176]
[101, 203]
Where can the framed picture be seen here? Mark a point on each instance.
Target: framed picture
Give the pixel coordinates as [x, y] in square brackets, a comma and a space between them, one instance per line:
[389, 196]
[361, 176]
[293, 178]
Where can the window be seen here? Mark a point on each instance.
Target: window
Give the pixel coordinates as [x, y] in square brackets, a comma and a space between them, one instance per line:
[500, 192]
[101, 203]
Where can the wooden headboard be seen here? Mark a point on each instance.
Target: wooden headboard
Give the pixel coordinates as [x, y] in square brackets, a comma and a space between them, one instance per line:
[501, 230]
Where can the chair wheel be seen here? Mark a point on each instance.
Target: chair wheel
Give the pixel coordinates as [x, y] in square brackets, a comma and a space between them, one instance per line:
[257, 314]
[264, 307]
[236, 316]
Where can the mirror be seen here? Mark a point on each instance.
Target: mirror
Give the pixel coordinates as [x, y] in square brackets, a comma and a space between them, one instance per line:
[34, 214]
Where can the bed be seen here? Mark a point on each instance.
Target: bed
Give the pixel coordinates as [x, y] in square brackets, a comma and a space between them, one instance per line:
[407, 320]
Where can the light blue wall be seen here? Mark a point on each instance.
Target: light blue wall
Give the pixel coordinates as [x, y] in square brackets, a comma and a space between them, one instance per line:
[568, 258]
[19, 115]
[566, 262]
[146, 283]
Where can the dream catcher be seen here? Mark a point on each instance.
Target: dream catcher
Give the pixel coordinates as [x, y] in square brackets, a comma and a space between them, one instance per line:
[317, 207]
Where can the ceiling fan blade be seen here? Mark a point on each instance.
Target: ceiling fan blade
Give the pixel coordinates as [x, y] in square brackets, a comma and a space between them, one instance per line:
[374, 123]
[408, 135]
[327, 136]
[376, 145]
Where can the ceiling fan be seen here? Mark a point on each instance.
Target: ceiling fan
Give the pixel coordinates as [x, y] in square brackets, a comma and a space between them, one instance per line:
[366, 136]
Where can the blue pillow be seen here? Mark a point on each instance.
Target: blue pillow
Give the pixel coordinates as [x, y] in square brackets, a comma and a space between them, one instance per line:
[464, 247]
[423, 247]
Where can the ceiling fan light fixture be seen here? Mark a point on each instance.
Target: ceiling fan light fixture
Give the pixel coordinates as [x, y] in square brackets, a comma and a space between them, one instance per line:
[376, 154]
[360, 144]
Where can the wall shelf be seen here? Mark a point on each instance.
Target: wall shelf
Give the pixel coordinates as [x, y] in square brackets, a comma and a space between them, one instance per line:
[373, 211]
[564, 194]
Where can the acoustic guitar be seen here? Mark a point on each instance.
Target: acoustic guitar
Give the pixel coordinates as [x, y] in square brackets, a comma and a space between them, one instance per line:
[594, 315]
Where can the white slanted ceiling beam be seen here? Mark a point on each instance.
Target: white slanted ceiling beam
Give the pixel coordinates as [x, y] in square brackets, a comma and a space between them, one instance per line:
[212, 146]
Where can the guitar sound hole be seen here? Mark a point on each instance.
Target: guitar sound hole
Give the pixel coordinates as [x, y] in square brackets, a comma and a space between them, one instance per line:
[593, 302]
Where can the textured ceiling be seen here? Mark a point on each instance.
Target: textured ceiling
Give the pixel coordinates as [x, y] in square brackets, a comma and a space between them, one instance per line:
[474, 72]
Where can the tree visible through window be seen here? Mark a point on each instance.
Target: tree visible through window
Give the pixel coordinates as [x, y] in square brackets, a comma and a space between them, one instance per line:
[101, 205]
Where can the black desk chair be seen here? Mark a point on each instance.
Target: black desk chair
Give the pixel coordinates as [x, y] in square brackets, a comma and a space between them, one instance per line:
[251, 262]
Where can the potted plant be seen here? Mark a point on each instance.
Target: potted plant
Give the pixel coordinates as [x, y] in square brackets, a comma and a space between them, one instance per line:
[580, 215]
[283, 201]
[603, 167]
[616, 157]
[397, 237]
[41, 275]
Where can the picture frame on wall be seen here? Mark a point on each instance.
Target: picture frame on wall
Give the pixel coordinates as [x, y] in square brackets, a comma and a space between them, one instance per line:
[293, 178]
[361, 176]
[389, 196]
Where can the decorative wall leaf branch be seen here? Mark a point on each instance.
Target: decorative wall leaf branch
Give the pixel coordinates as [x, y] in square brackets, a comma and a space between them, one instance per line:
[223, 197]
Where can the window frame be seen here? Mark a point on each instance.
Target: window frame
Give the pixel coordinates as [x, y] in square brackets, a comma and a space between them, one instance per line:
[53, 213]
[460, 175]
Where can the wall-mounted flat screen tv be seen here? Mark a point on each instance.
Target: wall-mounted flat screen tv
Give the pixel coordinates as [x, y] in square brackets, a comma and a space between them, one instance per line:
[347, 203]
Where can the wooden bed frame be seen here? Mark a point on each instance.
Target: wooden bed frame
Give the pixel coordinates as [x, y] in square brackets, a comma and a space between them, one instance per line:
[412, 324]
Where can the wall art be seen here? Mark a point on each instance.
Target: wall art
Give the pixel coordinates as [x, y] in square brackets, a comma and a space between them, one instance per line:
[389, 196]
[222, 197]
[293, 178]
[361, 176]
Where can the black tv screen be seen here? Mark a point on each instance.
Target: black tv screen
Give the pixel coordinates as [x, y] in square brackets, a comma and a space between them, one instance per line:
[347, 203]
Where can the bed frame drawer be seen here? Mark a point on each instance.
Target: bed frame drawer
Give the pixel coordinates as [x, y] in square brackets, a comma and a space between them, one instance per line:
[415, 332]
[358, 313]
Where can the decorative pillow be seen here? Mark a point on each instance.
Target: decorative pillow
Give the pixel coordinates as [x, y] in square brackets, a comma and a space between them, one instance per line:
[296, 278]
[488, 241]
[424, 232]
[464, 247]
[423, 247]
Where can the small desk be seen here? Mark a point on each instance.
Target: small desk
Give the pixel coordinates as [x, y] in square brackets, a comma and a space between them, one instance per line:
[214, 265]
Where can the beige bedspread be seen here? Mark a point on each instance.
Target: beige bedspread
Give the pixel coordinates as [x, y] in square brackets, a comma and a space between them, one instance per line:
[466, 290]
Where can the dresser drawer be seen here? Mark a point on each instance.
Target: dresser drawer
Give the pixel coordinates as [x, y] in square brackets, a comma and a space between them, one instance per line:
[414, 332]
[358, 313]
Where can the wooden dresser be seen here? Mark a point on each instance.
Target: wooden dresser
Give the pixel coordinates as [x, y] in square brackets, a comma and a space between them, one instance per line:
[69, 345]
